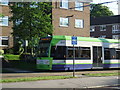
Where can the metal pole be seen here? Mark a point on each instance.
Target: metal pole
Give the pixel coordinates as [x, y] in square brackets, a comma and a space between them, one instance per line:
[26, 44]
[119, 40]
[97, 57]
[73, 61]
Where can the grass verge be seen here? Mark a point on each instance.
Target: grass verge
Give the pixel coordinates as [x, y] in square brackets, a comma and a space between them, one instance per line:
[34, 79]
[103, 74]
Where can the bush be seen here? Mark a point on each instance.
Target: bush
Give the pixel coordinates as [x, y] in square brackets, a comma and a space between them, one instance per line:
[11, 57]
[24, 55]
[1, 52]
[9, 51]
[27, 57]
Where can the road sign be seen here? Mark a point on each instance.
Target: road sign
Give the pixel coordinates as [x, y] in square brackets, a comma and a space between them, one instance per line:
[74, 40]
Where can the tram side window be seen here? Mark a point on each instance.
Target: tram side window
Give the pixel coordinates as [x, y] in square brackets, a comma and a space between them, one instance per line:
[77, 52]
[110, 53]
[85, 52]
[117, 53]
[80, 52]
[107, 53]
[58, 52]
[70, 52]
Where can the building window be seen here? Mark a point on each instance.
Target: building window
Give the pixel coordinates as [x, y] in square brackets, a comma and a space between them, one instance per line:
[79, 23]
[64, 22]
[103, 28]
[92, 28]
[4, 21]
[64, 4]
[116, 29]
[3, 41]
[3, 2]
[115, 36]
[102, 36]
[78, 6]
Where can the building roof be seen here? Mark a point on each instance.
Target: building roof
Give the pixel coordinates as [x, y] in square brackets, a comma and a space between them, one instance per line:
[105, 20]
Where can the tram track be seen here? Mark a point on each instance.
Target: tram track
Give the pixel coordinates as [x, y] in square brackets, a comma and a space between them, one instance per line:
[51, 73]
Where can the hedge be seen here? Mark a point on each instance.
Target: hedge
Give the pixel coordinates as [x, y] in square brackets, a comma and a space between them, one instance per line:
[11, 57]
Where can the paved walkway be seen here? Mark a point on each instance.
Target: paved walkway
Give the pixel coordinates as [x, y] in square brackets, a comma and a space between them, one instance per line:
[85, 82]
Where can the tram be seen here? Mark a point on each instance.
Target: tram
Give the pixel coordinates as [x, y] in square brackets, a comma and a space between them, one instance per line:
[56, 53]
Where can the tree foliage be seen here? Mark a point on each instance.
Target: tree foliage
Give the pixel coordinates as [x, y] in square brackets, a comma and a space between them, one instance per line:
[1, 15]
[100, 10]
[31, 20]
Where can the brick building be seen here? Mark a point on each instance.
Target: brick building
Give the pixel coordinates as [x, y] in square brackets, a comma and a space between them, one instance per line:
[67, 21]
[68, 18]
[119, 7]
[6, 39]
[105, 27]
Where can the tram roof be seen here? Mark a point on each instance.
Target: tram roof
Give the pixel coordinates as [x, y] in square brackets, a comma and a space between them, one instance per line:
[89, 39]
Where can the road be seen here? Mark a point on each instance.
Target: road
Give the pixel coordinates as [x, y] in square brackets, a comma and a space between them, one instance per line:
[83, 82]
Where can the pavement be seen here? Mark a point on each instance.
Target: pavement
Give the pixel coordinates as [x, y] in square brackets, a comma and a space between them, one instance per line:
[84, 83]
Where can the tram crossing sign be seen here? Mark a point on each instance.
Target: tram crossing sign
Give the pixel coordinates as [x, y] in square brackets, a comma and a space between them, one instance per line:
[74, 40]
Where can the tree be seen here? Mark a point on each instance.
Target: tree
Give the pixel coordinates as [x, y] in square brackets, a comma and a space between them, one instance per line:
[1, 15]
[100, 10]
[31, 20]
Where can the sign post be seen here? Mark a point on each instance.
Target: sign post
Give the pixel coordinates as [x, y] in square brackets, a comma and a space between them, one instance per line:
[74, 42]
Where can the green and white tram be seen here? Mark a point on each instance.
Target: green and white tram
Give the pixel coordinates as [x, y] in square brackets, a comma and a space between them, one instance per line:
[56, 53]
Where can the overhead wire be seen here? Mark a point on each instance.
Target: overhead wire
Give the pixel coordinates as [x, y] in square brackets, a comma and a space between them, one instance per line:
[94, 4]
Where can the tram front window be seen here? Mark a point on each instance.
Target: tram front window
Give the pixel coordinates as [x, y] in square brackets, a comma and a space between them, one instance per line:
[44, 49]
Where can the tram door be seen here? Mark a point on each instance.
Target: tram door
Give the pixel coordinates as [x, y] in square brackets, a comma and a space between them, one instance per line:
[97, 56]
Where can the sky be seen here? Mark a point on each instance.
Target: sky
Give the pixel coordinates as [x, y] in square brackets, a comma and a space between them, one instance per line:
[112, 6]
